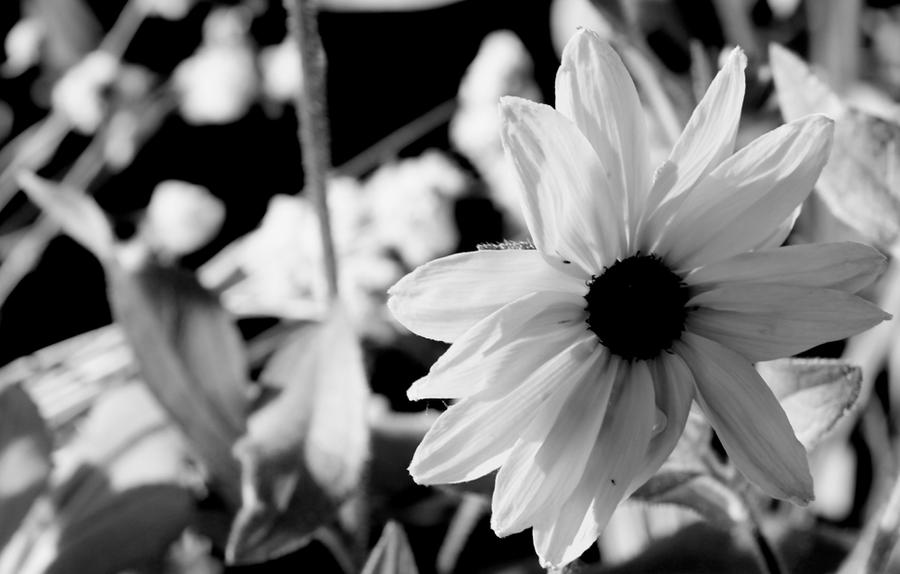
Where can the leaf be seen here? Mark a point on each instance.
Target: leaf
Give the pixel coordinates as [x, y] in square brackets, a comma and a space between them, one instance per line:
[701, 493]
[76, 212]
[306, 449]
[191, 358]
[72, 30]
[861, 181]
[392, 554]
[122, 530]
[815, 393]
[118, 498]
[25, 464]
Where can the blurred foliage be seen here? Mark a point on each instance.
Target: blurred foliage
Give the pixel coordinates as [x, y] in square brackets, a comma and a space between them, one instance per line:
[233, 418]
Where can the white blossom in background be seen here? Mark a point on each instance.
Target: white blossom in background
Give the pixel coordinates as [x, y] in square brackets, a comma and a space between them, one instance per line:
[23, 46]
[502, 67]
[181, 218]
[277, 269]
[576, 363]
[280, 68]
[167, 9]
[218, 83]
[412, 204]
[79, 93]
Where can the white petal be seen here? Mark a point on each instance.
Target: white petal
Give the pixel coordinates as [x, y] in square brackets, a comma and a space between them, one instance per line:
[474, 436]
[673, 386]
[741, 202]
[569, 204]
[748, 420]
[764, 321]
[444, 298]
[845, 266]
[562, 536]
[548, 461]
[594, 90]
[708, 137]
[512, 341]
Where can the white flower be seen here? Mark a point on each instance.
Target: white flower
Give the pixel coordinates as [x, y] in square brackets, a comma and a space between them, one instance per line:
[411, 205]
[281, 71]
[217, 84]
[78, 95]
[577, 363]
[23, 46]
[182, 217]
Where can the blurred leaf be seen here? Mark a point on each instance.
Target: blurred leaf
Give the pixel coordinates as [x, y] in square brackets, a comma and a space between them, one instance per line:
[701, 493]
[118, 497]
[392, 554]
[76, 212]
[72, 31]
[468, 514]
[121, 530]
[191, 357]
[25, 464]
[861, 182]
[395, 437]
[306, 449]
[815, 393]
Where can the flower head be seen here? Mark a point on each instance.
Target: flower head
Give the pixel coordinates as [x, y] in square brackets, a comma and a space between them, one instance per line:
[576, 363]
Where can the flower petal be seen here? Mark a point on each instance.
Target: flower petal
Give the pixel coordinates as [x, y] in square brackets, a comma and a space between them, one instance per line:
[547, 462]
[846, 266]
[444, 298]
[516, 338]
[764, 321]
[748, 420]
[741, 202]
[594, 90]
[707, 140]
[562, 536]
[673, 386]
[570, 206]
[474, 436]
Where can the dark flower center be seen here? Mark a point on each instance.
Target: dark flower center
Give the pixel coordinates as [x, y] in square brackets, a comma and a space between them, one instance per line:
[637, 307]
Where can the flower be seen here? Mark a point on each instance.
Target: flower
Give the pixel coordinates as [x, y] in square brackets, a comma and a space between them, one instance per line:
[576, 363]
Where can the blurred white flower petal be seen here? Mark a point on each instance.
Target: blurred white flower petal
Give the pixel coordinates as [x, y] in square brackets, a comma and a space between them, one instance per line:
[630, 245]
[181, 218]
[79, 94]
[217, 84]
[23, 46]
[282, 76]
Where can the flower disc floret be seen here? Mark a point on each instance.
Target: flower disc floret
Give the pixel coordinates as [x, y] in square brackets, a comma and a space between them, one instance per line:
[637, 307]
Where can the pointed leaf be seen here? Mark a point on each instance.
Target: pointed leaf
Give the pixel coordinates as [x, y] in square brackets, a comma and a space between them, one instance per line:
[191, 357]
[76, 212]
[120, 531]
[25, 464]
[305, 450]
[861, 181]
[815, 393]
[117, 500]
[701, 493]
[392, 554]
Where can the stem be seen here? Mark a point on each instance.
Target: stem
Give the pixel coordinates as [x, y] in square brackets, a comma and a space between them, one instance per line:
[873, 550]
[769, 559]
[312, 120]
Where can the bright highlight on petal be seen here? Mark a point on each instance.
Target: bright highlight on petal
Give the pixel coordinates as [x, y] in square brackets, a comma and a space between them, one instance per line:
[748, 420]
[575, 365]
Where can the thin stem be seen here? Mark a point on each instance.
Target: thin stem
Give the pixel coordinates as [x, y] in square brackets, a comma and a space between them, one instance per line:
[872, 552]
[313, 129]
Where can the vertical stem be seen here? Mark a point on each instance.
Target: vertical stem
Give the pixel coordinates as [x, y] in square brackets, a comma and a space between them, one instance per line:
[876, 543]
[312, 122]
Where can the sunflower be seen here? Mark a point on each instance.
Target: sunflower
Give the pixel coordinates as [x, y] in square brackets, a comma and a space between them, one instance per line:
[576, 363]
